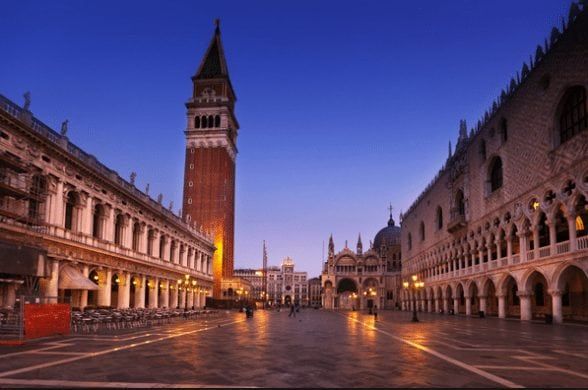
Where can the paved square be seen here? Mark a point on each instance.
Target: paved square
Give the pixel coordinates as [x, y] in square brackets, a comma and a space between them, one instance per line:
[316, 349]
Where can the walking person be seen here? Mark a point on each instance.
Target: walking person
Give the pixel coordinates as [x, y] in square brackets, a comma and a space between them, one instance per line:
[292, 311]
[375, 311]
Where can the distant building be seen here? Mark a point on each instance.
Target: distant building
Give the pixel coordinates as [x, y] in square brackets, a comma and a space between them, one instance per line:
[358, 280]
[314, 292]
[255, 277]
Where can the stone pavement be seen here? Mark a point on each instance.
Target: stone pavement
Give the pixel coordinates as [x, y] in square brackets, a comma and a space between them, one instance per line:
[316, 349]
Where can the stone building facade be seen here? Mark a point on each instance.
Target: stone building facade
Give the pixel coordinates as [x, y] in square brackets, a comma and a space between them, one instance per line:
[255, 278]
[70, 227]
[503, 226]
[314, 292]
[361, 280]
[285, 285]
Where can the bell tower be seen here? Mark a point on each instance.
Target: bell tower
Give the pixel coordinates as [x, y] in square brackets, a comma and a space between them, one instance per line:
[211, 150]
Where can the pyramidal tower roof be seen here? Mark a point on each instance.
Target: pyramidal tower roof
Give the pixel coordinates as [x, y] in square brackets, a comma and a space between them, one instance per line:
[213, 64]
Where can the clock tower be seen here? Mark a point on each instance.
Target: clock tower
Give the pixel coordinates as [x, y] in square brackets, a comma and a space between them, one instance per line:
[211, 150]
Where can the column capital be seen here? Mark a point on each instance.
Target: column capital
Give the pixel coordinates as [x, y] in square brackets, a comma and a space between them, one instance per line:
[555, 292]
[524, 294]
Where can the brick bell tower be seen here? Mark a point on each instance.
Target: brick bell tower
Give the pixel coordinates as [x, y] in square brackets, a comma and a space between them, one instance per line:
[211, 149]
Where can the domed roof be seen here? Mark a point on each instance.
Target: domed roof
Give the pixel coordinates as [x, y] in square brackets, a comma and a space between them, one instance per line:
[387, 236]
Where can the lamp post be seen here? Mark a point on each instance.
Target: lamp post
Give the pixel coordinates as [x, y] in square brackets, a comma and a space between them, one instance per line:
[370, 293]
[413, 287]
[187, 282]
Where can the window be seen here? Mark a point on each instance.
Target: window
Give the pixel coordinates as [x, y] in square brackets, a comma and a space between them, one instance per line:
[573, 118]
[98, 221]
[197, 122]
[495, 174]
[36, 203]
[460, 203]
[136, 235]
[217, 121]
[150, 239]
[439, 218]
[504, 130]
[422, 231]
[483, 150]
[409, 241]
[70, 206]
[204, 122]
[118, 229]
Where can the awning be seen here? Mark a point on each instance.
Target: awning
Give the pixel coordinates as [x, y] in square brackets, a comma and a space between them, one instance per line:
[72, 279]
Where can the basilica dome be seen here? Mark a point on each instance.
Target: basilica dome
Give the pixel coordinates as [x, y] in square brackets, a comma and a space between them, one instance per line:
[390, 235]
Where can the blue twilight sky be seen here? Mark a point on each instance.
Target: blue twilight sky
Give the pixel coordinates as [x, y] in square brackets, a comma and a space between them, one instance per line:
[344, 106]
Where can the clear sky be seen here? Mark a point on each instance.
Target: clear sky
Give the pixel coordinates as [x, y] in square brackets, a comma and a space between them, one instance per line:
[344, 106]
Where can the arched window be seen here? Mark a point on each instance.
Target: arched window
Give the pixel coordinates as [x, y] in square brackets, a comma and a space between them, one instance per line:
[70, 211]
[210, 121]
[217, 121]
[573, 118]
[98, 221]
[581, 217]
[562, 232]
[460, 203]
[422, 231]
[172, 251]
[439, 218]
[161, 246]
[495, 174]
[204, 122]
[197, 122]
[118, 229]
[150, 240]
[136, 235]
[543, 231]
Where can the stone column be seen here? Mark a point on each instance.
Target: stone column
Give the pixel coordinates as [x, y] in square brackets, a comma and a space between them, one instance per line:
[552, 236]
[190, 297]
[50, 286]
[498, 242]
[140, 292]
[501, 306]
[525, 299]
[164, 285]
[455, 305]
[124, 290]
[436, 305]
[556, 306]
[446, 305]
[84, 293]
[430, 305]
[156, 242]
[509, 248]
[174, 295]
[84, 224]
[522, 246]
[56, 214]
[143, 238]
[153, 293]
[182, 298]
[104, 282]
[536, 241]
[468, 302]
[572, 230]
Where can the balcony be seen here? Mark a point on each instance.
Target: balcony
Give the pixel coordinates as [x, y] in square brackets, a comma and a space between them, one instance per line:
[457, 221]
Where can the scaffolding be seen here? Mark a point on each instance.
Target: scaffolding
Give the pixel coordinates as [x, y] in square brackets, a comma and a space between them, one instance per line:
[22, 192]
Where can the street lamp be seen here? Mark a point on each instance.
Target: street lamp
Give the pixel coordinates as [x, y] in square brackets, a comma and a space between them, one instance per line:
[187, 282]
[370, 293]
[414, 287]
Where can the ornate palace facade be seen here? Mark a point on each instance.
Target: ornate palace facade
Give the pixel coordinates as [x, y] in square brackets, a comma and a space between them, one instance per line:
[503, 226]
[358, 280]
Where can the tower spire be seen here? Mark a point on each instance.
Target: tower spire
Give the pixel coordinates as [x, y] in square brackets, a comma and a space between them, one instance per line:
[359, 245]
[391, 220]
[331, 246]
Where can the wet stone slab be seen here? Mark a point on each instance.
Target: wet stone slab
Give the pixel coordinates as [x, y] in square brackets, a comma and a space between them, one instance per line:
[316, 349]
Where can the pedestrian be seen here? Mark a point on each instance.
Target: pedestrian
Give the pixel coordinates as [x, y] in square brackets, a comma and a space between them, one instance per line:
[292, 311]
[375, 312]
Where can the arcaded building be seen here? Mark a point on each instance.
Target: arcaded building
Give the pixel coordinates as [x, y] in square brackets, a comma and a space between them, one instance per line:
[72, 229]
[360, 280]
[503, 226]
